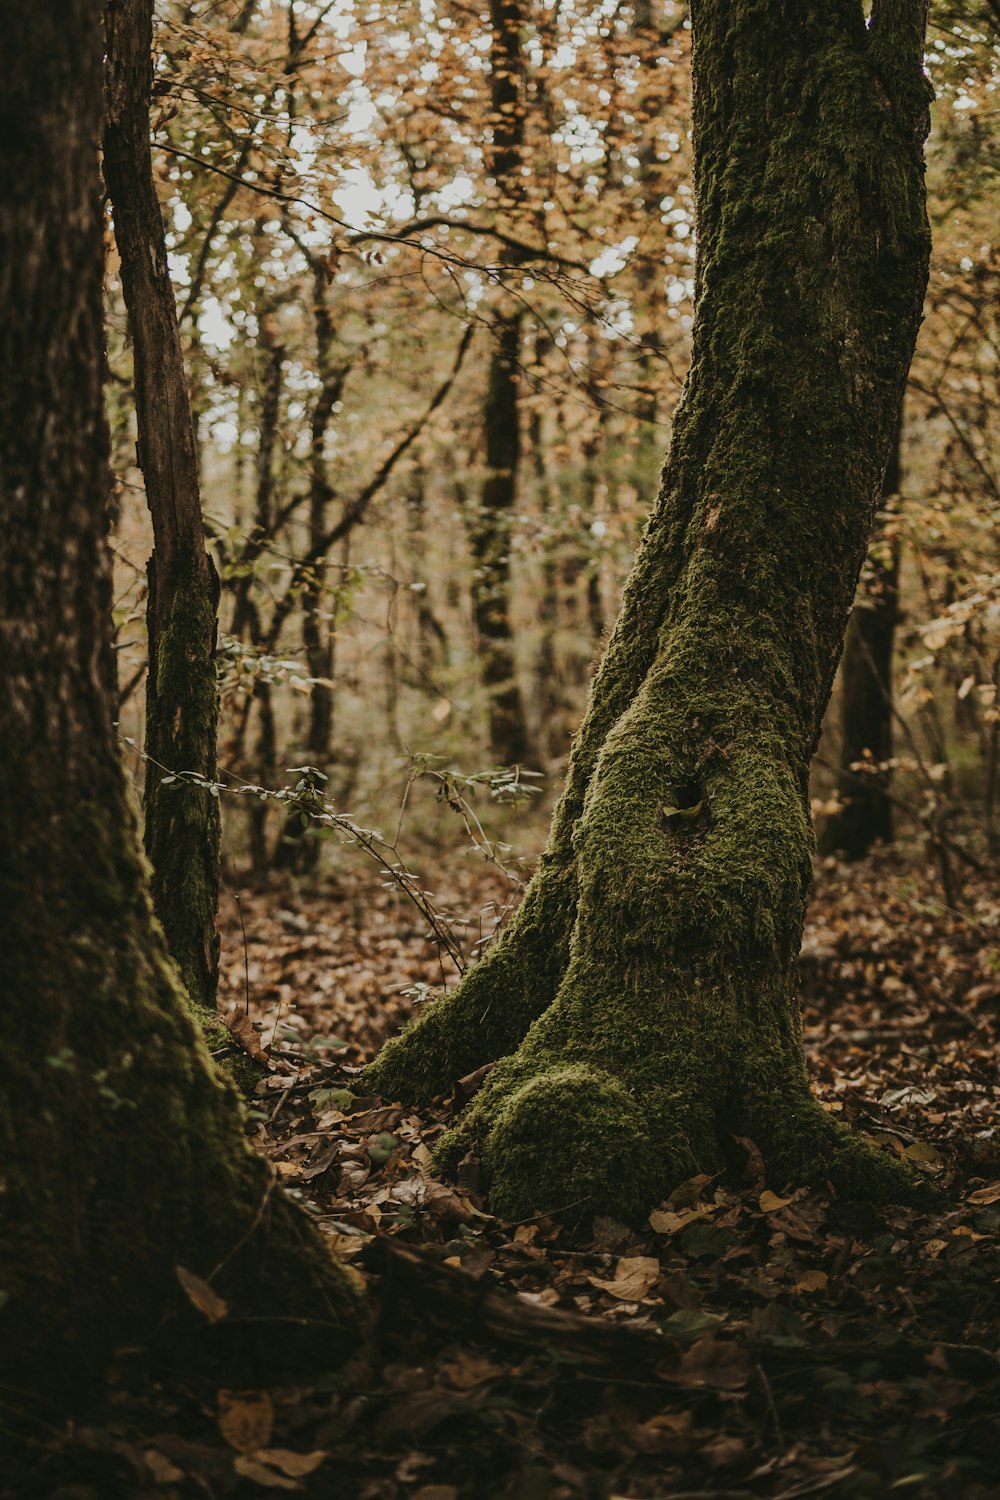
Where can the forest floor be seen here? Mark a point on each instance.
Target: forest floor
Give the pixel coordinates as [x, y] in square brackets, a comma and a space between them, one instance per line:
[746, 1341]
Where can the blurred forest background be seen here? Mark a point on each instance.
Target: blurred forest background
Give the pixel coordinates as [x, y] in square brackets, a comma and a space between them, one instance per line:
[434, 274]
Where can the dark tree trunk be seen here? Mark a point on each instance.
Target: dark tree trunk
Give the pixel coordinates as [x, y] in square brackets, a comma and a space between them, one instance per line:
[182, 823]
[123, 1153]
[245, 615]
[491, 525]
[646, 990]
[864, 783]
[490, 539]
[317, 638]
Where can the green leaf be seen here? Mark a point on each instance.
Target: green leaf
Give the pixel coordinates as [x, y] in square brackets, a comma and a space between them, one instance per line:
[688, 1321]
[687, 813]
[381, 1149]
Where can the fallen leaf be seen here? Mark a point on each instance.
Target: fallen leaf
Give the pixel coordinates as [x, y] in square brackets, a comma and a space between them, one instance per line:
[986, 1195]
[665, 1221]
[161, 1470]
[202, 1296]
[770, 1202]
[924, 1152]
[246, 1032]
[466, 1371]
[295, 1465]
[812, 1281]
[712, 1362]
[245, 1419]
[251, 1468]
[634, 1275]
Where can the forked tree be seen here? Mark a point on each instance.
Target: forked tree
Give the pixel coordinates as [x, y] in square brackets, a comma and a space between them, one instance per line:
[125, 1171]
[643, 1003]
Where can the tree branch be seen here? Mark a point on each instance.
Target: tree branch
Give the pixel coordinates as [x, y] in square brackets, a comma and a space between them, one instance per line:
[355, 511]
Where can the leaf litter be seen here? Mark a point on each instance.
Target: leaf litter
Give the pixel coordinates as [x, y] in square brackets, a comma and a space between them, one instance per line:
[750, 1339]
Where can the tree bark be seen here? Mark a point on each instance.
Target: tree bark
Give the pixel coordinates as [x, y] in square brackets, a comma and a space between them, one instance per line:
[490, 540]
[863, 789]
[491, 526]
[123, 1152]
[294, 850]
[644, 999]
[182, 822]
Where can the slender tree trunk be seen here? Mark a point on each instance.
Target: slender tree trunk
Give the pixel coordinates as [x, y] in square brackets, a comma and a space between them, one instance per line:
[123, 1152]
[490, 539]
[863, 786]
[245, 615]
[646, 991]
[491, 527]
[548, 697]
[317, 639]
[182, 823]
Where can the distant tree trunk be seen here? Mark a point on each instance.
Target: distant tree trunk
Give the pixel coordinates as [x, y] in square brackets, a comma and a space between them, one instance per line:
[491, 525]
[433, 651]
[245, 614]
[490, 539]
[124, 1157]
[863, 790]
[317, 639]
[643, 1001]
[182, 823]
[548, 697]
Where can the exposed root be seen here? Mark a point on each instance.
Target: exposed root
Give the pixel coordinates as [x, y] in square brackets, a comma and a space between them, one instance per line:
[488, 1014]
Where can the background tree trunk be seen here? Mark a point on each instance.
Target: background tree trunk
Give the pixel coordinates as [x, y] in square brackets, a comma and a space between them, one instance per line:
[491, 526]
[657, 946]
[863, 791]
[182, 822]
[102, 1048]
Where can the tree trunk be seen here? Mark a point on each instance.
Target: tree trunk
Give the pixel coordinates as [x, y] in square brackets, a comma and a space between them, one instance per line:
[646, 990]
[245, 614]
[294, 850]
[182, 823]
[490, 539]
[863, 789]
[123, 1153]
[491, 527]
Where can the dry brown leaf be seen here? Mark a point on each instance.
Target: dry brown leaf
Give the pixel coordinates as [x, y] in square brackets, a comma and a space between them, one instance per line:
[466, 1371]
[665, 1221]
[201, 1295]
[713, 1362]
[244, 1030]
[770, 1202]
[246, 1419]
[295, 1465]
[984, 1195]
[161, 1470]
[634, 1275]
[251, 1468]
[812, 1281]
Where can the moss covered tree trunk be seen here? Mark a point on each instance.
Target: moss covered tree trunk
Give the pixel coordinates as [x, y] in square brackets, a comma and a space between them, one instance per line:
[643, 1001]
[182, 823]
[123, 1152]
[864, 781]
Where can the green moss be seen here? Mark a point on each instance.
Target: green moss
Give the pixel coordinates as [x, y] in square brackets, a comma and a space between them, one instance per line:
[127, 1158]
[227, 1053]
